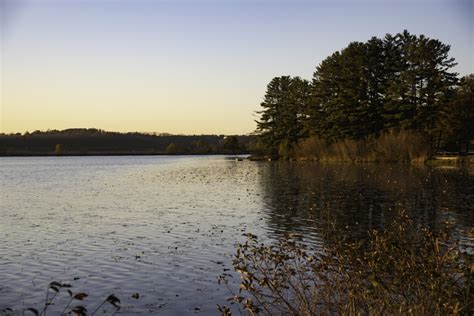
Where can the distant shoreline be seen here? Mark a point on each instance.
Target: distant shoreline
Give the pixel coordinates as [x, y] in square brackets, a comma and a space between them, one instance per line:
[119, 154]
[95, 142]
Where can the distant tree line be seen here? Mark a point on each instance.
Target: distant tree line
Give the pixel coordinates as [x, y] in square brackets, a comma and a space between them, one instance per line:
[90, 141]
[397, 83]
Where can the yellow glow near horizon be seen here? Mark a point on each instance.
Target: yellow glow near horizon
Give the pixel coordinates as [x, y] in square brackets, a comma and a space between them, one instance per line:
[120, 102]
[183, 68]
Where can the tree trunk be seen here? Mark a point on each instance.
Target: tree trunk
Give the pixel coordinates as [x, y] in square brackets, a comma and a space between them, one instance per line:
[439, 141]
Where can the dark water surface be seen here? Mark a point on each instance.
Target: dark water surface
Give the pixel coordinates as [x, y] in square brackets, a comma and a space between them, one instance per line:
[166, 227]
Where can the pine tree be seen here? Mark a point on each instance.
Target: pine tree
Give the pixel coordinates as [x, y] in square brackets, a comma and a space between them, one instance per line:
[282, 116]
[325, 86]
[459, 115]
[346, 90]
[420, 82]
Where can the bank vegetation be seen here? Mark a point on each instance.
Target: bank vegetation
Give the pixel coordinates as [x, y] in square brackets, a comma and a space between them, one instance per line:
[406, 269]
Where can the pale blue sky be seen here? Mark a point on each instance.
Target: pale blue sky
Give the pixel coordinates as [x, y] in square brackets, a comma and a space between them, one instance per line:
[186, 66]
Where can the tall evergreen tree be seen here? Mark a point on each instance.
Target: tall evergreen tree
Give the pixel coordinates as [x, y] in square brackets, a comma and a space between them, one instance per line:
[346, 90]
[326, 88]
[420, 82]
[281, 117]
[394, 110]
[459, 115]
[377, 84]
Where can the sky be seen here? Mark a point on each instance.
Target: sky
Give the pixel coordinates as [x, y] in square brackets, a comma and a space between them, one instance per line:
[186, 67]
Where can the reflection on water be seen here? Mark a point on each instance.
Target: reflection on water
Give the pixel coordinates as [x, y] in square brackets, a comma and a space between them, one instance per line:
[306, 198]
[166, 227]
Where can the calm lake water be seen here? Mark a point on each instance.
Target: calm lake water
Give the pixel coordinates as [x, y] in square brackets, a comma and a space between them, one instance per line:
[166, 227]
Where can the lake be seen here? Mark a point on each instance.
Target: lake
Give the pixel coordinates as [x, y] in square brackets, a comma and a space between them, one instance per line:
[166, 226]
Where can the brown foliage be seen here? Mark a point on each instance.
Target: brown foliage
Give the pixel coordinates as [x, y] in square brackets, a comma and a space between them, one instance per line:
[405, 269]
[400, 146]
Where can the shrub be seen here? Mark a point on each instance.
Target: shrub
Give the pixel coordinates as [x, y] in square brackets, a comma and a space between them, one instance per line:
[171, 149]
[285, 149]
[52, 292]
[401, 146]
[312, 148]
[406, 269]
[58, 149]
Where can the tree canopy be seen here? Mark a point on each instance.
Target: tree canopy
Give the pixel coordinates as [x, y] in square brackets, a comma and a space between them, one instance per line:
[401, 81]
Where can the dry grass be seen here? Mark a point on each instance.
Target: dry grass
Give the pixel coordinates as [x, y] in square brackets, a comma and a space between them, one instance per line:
[392, 146]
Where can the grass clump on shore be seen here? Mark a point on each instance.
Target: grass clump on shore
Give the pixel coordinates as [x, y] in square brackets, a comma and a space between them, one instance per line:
[391, 146]
[404, 270]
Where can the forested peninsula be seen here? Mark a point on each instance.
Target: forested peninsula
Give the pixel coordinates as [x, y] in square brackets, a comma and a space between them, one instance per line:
[386, 99]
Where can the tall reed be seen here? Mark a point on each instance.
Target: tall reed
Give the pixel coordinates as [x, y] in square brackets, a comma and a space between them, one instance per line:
[391, 146]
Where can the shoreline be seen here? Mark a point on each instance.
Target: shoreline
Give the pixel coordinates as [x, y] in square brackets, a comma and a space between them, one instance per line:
[118, 154]
[432, 161]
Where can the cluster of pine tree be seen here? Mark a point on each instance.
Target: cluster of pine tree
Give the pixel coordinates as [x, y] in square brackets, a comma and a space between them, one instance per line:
[400, 82]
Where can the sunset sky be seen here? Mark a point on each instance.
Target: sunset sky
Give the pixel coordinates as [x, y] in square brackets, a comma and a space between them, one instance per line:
[188, 67]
